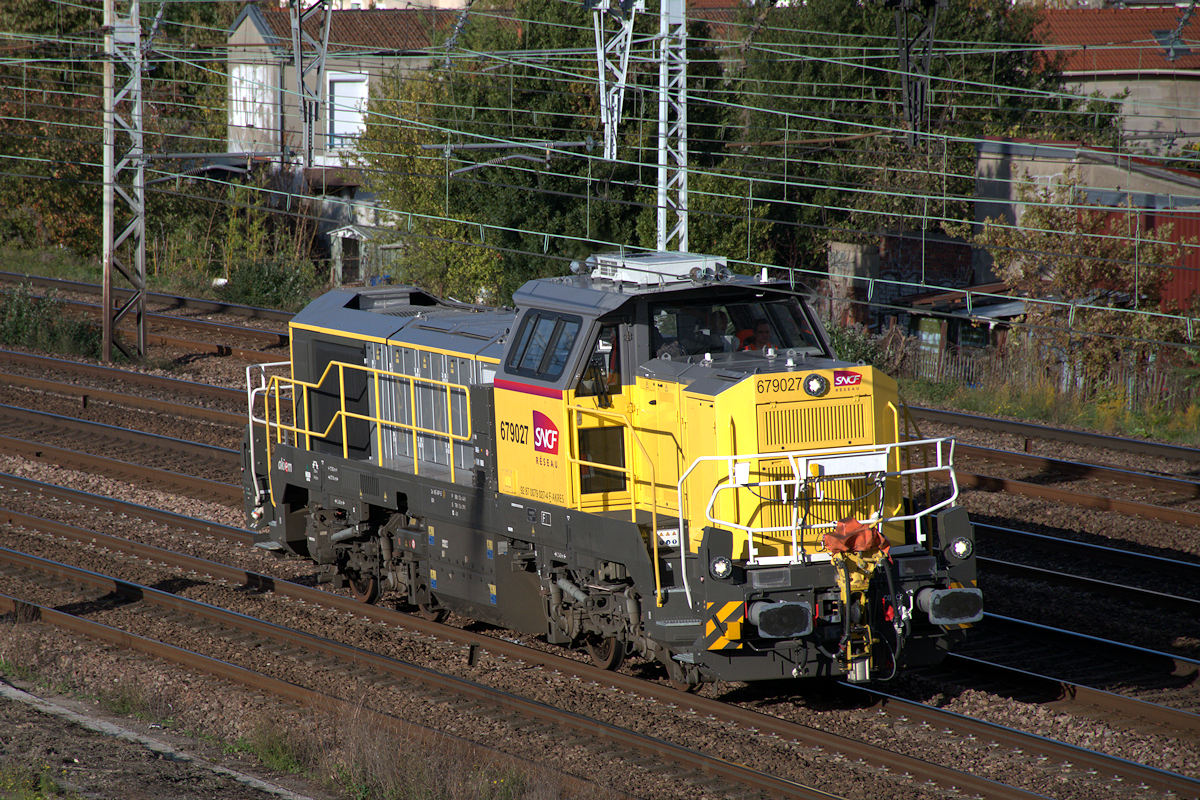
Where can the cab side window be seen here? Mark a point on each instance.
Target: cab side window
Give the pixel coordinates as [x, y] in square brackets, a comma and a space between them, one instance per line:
[543, 344]
[602, 372]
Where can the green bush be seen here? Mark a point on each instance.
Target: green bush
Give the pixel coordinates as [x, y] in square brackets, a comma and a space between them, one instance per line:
[41, 323]
[275, 281]
[855, 343]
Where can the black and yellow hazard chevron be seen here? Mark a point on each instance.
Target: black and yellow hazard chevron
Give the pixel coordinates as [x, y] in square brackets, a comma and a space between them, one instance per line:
[724, 625]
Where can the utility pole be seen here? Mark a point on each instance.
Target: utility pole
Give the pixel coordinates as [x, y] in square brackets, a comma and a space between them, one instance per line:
[309, 57]
[124, 252]
[612, 61]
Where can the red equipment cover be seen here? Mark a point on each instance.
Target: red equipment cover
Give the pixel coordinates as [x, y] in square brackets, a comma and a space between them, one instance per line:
[852, 536]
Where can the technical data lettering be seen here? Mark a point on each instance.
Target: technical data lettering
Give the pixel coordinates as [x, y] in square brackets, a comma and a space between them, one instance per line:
[458, 505]
[514, 432]
[545, 495]
[436, 496]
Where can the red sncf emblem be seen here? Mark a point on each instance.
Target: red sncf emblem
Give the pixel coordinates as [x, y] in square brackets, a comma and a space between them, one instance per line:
[844, 377]
[545, 434]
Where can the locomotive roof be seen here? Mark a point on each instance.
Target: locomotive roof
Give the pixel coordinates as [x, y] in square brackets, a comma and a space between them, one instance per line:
[408, 314]
[594, 297]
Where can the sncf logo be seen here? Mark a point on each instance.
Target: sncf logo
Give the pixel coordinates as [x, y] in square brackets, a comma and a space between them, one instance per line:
[545, 434]
[844, 377]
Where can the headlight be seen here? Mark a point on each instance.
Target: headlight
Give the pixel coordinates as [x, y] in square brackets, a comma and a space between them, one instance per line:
[720, 567]
[961, 548]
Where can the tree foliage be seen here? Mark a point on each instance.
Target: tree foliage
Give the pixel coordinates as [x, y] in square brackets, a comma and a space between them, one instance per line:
[433, 251]
[1090, 261]
[522, 201]
[51, 114]
[825, 109]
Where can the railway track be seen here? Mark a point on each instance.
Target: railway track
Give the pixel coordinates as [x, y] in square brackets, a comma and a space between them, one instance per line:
[340, 665]
[131, 455]
[1030, 432]
[160, 301]
[1101, 766]
[1047, 469]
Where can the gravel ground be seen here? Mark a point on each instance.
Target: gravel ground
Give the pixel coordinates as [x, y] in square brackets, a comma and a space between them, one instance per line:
[197, 702]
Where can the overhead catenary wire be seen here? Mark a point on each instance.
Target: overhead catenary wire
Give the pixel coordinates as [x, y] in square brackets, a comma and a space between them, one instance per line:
[816, 124]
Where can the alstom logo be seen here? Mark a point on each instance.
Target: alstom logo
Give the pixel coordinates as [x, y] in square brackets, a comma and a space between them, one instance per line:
[545, 434]
[844, 377]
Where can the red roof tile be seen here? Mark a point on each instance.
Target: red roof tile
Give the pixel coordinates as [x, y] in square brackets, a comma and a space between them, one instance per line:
[375, 30]
[1121, 39]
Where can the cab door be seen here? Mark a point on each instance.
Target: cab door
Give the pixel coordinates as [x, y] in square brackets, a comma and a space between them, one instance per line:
[599, 408]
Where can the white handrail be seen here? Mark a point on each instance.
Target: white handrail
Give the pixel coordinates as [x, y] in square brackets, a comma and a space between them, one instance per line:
[252, 393]
[809, 468]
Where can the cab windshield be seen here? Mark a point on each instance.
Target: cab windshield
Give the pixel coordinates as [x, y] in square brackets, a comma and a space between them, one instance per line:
[703, 327]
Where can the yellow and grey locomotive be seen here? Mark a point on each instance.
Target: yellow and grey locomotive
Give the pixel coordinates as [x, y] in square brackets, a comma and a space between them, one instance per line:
[651, 456]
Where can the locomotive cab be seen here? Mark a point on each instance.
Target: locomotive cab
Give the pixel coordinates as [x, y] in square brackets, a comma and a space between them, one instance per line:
[650, 456]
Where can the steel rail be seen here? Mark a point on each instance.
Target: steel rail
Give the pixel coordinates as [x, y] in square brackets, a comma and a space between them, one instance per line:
[126, 508]
[303, 697]
[83, 427]
[1075, 469]
[459, 688]
[86, 394]
[1170, 720]
[259, 335]
[1182, 663]
[1036, 431]
[898, 762]
[158, 382]
[173, 301]
[1159, 562]
[1177, 602]
[199, 488]
[988, 483]
[1119, 768]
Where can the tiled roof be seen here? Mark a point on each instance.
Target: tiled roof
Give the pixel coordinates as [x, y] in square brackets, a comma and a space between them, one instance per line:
[377, 30]
[1121, 39]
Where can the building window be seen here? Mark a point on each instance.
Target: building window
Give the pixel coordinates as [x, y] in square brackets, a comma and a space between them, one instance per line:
[251, 96]
[347, 108]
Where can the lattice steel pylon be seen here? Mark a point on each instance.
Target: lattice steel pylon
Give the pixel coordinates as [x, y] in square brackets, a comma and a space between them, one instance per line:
[308, 54]
[672, 127]
[916, 21]
[613, 48]
[124, 252]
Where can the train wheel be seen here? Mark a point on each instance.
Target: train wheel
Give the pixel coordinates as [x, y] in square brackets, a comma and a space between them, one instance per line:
[682, 678]
[364, 588]
[605, 651]
[431, 612]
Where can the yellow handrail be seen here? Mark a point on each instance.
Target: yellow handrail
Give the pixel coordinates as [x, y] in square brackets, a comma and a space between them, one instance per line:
[629, 435]
[277, 385]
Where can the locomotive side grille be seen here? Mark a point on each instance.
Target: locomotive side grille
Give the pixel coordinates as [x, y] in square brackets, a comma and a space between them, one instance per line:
[813, 423]
[369, 485]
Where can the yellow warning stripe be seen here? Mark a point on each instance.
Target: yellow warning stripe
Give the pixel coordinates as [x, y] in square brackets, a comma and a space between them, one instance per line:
[724, 625]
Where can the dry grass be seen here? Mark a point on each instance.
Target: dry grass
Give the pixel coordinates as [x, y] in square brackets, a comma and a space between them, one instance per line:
[356, 756]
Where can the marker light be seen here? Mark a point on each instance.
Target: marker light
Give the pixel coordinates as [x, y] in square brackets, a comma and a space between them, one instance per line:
[720, 567]
[961, 548]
